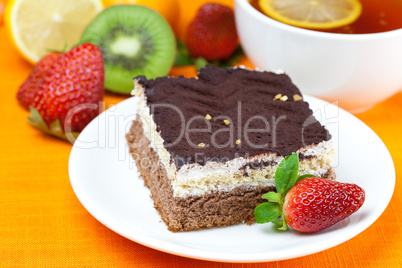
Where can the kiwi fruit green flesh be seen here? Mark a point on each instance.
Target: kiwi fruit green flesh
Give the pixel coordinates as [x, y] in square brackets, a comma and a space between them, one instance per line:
[134, 40]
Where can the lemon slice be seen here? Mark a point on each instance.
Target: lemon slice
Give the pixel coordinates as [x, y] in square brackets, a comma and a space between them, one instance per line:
[313, 14]
[39, 27]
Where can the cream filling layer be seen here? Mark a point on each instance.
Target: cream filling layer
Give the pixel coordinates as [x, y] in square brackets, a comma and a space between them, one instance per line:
[196, 179]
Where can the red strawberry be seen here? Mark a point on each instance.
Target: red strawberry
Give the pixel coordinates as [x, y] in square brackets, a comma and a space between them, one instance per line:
[69, 96]
[314, 204]
[212, 34]
[306, 203]
[31, 85]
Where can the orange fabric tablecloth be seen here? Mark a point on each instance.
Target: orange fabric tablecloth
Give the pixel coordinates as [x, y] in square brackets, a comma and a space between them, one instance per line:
[42, 223]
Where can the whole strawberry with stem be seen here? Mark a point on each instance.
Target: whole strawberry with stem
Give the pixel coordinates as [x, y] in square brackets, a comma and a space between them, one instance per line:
[314, 204]
[212, 34]
[30, 87]
[69, 95]
[306, 203]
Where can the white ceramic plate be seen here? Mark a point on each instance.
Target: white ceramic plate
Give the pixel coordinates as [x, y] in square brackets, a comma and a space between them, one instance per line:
[105, 180]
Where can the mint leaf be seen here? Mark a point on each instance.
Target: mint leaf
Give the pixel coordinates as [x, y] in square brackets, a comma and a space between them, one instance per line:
[273, 197]
[267, 212]
[286, 174]
[300, 177]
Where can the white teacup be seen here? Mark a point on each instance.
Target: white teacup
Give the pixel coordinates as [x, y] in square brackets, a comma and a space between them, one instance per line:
[358, 70]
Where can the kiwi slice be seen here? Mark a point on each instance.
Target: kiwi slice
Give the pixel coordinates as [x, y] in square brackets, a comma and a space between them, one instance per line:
[134, 40]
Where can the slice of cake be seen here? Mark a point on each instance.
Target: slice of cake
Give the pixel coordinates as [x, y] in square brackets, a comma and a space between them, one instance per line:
[208, 148]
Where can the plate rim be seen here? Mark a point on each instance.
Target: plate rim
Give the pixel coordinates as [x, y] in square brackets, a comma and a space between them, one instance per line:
[183, 251]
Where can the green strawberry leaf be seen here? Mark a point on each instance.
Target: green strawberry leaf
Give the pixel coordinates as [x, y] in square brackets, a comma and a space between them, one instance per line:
[230, 62]
[284, 226]
[182, 60]
[36, 120]
[300, 177]
[286, 174]
[267, 212]
[200, 63]
[273, 197]
[234, 58]
[182, 57]
[62, 51]
[55, 128]
[278, 221]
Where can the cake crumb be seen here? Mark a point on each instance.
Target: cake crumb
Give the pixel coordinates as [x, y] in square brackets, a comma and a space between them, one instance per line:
[297, 97]
[208, 117]
[201, 144]
[284, 98]
[278, 96]
[238, 142]
[227, 122]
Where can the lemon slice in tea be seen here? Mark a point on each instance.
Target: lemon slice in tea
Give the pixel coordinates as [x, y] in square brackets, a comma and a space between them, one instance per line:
[313, 14]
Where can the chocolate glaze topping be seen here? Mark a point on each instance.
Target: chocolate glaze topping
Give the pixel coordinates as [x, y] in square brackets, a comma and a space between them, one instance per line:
[245, 98]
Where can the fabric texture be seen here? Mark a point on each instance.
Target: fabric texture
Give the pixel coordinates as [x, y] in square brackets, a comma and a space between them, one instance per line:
[42, 223]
